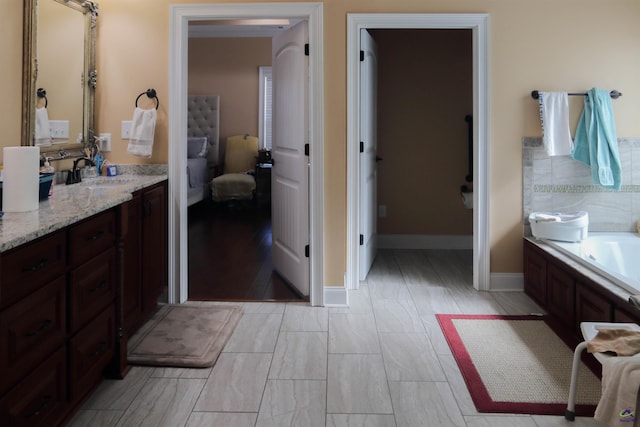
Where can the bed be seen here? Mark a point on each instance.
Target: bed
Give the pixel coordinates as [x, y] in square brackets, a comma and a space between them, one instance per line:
[203, 145]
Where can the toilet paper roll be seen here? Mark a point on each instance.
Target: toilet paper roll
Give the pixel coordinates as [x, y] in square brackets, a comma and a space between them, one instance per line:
[21, 179]
[467, 199]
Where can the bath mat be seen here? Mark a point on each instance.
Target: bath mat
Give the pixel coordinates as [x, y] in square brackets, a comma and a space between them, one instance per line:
[184, 336]
[517, 364]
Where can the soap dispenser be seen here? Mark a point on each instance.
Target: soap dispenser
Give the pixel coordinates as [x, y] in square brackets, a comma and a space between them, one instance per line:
[48, 169]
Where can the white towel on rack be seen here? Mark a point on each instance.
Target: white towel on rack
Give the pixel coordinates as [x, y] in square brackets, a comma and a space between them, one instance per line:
[143, 127]
[42, 133]
[554, 118]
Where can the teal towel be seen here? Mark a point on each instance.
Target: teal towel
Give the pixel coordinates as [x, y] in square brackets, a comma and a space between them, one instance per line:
[596, 142]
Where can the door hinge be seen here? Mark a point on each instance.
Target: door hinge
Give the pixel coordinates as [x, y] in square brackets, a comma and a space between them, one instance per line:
[361, 55]
[361, 147]
[306, 49]
[306, 251]
[361, 239]
[306, 149]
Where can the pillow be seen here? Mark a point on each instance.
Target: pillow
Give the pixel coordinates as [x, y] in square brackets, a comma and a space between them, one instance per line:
[197, 146]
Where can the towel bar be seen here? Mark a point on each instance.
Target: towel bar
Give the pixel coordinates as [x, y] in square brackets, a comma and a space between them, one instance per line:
[151, 93]
[535, 94]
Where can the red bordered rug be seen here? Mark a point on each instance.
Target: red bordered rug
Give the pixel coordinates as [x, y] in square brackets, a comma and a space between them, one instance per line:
[517, 364]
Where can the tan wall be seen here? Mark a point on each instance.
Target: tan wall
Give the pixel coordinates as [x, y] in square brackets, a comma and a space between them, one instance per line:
[425, 92]
[229, 67]
[546, 44]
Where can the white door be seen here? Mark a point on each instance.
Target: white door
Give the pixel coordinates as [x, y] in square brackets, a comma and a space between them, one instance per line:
[290, 173]
[368, 153]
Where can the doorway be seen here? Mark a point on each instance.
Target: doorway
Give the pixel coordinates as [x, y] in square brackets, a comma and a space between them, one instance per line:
[181, 15]
[478, 23]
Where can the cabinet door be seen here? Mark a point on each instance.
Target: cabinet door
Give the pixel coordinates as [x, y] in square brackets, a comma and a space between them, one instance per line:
[535, 274]
[41, 398]
[131, 261]
[91, 351]
[560, 294]
[591, 307]
[93, 287]
[154, 245]
[30, 330]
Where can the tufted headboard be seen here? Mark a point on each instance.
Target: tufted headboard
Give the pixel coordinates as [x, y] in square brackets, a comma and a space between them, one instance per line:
[203, 119]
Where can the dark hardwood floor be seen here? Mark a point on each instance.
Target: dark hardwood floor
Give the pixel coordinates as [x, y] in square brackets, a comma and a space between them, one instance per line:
[230, 255]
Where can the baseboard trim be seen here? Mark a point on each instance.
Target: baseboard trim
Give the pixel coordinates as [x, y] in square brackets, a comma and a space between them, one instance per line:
[336, 296]
[506, 282]
[424, 241]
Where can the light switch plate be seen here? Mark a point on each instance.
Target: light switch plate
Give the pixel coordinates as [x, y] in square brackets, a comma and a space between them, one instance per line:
[59, 128]
[125, 129]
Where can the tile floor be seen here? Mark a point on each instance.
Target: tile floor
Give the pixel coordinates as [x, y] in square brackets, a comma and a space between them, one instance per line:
[381, 362]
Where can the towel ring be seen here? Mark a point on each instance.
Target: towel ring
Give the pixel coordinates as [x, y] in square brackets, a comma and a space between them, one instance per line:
[151, 93]
[42, 94]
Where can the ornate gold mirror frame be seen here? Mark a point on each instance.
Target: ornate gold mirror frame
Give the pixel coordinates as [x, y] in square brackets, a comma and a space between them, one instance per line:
[89, 9]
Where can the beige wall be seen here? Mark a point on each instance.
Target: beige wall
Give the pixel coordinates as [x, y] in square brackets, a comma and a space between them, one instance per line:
[229, 67]
[425, 92]
[545, 44]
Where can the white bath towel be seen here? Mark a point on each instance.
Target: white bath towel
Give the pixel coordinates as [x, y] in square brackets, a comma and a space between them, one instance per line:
[42, 137]
[554, 118]
[143, 127]
[620, 381]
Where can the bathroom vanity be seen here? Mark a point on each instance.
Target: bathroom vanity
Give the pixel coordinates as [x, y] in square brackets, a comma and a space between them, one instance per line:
[77, 277]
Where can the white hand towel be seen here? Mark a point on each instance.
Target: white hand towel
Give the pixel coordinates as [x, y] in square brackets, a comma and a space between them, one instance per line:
[143, 127]
[42, 133]
[554, 117]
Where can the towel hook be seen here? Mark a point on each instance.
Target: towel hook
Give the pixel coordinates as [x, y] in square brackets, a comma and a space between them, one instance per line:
[42, 94]
[151, 93]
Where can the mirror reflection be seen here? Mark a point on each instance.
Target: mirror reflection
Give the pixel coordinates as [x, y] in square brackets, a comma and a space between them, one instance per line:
[60, 55]
[59, 73]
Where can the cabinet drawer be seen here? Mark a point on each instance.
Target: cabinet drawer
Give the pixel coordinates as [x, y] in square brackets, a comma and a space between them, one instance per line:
[26, 268]
[88, 238]
[41, 398]
[30, 330]
[91, 351]
[93, 287]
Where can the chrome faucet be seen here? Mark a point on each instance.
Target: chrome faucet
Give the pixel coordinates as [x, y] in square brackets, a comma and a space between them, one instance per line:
[73, 175]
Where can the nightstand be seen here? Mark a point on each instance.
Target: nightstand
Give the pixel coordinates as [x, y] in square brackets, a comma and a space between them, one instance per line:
[263, 183]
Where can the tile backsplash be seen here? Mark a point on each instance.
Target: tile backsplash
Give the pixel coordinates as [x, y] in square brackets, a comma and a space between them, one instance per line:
[561, 184]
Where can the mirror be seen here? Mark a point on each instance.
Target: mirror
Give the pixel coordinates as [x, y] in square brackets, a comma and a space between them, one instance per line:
[59, 70]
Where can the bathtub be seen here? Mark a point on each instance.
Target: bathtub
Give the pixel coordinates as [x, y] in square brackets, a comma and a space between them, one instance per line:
[615, 256]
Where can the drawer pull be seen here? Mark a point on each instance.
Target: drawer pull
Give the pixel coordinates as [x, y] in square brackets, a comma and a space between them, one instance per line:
[99, 286]
[101, 348]
[35, 267]
[45, 325]
[45, 402]
[95, 236]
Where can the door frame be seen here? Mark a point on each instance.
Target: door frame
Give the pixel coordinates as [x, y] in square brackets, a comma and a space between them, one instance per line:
[479, 24]
[180, 16]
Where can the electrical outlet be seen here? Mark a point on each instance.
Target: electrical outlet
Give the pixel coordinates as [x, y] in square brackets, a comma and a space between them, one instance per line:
[125, 129]
[59, 128]
[105, 144]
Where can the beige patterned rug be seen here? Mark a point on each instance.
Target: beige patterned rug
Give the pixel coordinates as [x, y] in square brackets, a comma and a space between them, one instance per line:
[184, 336]
[517, 364]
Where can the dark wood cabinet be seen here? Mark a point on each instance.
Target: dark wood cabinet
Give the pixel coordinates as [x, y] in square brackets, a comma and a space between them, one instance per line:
[154, 246]
[145, 257]
[568, 295]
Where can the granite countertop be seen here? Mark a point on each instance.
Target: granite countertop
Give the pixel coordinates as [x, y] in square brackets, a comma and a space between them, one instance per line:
[69, 204]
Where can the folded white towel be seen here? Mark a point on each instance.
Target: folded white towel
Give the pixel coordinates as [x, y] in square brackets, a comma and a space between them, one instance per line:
[143, 127]
[554, 118]
[42, 137]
